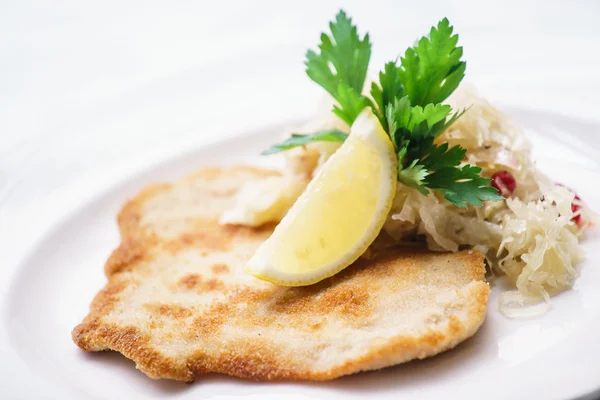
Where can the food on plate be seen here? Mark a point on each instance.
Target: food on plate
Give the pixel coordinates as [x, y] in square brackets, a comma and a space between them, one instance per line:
[179, 304]
[369, 246]
[466, 178]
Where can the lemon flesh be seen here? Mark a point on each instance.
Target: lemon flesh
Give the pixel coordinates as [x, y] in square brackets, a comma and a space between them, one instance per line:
[339, 214]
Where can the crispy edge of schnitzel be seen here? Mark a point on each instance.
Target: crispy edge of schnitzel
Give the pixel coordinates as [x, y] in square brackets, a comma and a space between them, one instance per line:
[137, 246]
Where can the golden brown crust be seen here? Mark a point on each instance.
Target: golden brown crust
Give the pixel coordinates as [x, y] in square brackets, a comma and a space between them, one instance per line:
[130, 251]
[178, 305]
[130, 215]
[219, 268]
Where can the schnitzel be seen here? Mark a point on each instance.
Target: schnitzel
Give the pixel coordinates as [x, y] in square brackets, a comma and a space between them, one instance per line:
[179, 304]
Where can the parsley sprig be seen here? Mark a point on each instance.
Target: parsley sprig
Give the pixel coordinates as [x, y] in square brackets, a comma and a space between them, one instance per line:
[407, 100]
[297, 139]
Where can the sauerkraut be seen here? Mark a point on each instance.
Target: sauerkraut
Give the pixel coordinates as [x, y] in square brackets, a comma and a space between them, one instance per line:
[532, 237]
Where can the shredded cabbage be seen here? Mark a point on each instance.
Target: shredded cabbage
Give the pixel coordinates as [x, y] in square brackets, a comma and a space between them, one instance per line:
[531, 237]
[539, 248]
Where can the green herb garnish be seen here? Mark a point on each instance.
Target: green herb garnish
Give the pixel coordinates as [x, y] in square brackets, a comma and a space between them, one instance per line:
[300, 140]
[407, 101]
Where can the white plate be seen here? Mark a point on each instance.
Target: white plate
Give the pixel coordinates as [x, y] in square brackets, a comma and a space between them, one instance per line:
[556, 356]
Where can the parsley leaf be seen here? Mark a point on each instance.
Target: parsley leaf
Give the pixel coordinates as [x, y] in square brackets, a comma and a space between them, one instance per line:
[341, 69]
[389, 88]
[344, 57]
[350, 103]
[415, 123]
[463, 186]
[441, 156]
[300, 140]
[425, 165]
[406, 100]
[432, 69]
[414, 176]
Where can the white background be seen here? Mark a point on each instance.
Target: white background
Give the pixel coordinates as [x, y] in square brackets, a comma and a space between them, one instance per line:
[90, 85]
[63, 61]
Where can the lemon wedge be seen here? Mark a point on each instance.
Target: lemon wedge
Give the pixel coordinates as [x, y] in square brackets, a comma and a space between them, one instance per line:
[338, 216]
